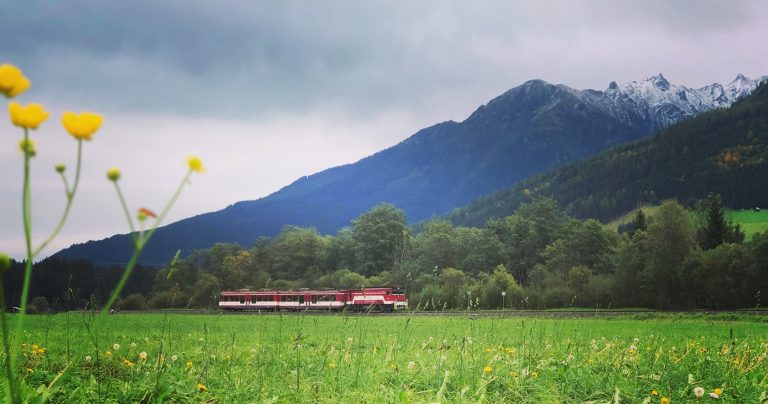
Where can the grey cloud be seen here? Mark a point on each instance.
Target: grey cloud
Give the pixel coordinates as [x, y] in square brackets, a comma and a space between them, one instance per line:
[247, 59]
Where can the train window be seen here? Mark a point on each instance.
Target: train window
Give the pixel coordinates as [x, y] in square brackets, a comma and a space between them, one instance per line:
[314, 299]
[333, 298]
[242, 299]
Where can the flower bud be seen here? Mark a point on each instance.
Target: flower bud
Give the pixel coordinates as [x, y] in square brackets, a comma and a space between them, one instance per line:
[113, 173]
[60, 168]
[145, 213]
[27, 146]
[195, 164]
[5, 262]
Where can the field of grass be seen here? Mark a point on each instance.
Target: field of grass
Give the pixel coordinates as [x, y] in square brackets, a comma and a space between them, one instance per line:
[649, 211]
[295, 358]
[751, 222]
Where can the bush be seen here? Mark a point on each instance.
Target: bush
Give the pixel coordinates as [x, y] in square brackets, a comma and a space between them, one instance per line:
[134, 301]
[561, 296]
[40, 303]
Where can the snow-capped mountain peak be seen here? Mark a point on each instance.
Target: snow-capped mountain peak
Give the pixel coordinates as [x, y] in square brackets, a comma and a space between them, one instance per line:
[740, 86]
[662, 103]
[659, 82]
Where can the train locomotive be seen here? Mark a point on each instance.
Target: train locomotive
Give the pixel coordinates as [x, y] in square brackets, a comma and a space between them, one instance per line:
[378, 299]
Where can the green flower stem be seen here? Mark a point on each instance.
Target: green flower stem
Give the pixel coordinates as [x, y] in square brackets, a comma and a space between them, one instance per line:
[26, 210]
[139, 244]
[66, 183]
[10, 393]
[168, 206]
[127, 214]
[70, 198]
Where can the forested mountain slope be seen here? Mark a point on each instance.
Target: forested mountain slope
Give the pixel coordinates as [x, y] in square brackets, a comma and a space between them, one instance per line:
[723, 151]
[527, 130]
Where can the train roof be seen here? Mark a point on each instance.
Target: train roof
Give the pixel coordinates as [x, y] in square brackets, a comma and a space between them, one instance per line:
[306, 291]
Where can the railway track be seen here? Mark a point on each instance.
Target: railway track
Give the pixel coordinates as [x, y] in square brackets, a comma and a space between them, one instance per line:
[470, 314]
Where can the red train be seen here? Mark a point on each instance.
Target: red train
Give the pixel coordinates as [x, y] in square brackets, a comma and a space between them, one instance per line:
[363, 300]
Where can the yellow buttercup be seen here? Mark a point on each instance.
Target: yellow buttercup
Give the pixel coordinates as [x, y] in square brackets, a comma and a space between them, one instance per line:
[29, 117]
[81, 126]
[12, 81]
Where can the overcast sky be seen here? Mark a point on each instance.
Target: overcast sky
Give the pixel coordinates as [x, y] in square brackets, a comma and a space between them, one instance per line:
[268, 91]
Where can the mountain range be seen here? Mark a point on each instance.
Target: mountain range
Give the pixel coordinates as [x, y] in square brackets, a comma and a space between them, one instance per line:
[722, 151]
[527, 130]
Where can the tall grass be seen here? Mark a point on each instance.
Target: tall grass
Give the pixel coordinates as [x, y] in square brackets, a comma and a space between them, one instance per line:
[292, 358]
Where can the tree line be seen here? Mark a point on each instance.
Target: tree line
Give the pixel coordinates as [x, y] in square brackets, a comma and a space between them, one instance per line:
[539, 257]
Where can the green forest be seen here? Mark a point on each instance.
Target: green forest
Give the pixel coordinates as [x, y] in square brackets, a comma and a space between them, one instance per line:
[539, 256]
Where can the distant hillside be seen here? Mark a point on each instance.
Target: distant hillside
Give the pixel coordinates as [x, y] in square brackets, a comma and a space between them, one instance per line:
[723, 151]
[527, 130]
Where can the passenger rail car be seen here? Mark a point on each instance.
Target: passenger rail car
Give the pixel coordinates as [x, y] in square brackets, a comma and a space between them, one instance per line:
[363, 300]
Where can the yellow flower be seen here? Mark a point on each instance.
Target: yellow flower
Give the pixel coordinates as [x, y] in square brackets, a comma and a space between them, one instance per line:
[12, 81]
[29, 117]
[29, 370]
[195, 164]
[128, 363]
[201, 387]
[534, 375]
[108, 353]
[718, 391]
[143, 356]
[664, 400]
[113, 173]
[81, 126]
[654, 393]
[331, 365]
[487, 369]
[189, 364]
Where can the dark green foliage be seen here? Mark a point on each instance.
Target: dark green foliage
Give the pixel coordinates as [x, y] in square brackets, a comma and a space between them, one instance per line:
[380, 238]
[565, 262]
[134, 301]
[40, 303]
[714, 229]
[639, 223]
[72, 284]
[671, 238]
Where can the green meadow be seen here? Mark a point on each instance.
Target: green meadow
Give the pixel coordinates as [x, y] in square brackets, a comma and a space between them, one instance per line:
[751, 222]
[340, 358]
